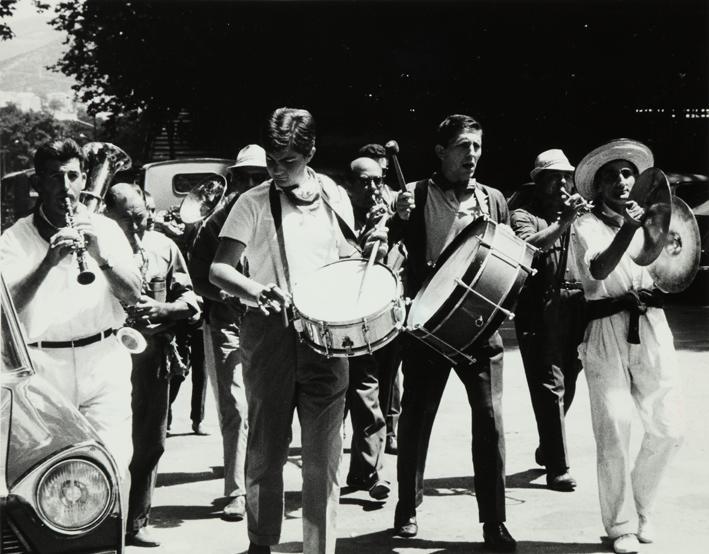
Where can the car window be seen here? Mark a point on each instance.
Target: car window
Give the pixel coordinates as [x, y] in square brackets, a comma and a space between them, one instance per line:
[182, 183]
[14, 354]
[10, 355]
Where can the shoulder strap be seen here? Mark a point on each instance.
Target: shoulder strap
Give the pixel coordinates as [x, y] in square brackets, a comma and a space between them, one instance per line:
[346, 230]
[277, 214]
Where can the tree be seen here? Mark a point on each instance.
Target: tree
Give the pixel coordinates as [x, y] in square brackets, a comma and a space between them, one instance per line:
[7, 8]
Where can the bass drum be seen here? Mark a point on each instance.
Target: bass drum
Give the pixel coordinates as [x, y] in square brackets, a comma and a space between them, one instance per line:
[337, 316]
[473, 289]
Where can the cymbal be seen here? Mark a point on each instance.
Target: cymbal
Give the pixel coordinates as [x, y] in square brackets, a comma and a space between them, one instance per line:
[678, 263]
[652, 192]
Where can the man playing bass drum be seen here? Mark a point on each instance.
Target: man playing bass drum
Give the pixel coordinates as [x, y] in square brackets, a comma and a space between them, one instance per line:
[430, 213]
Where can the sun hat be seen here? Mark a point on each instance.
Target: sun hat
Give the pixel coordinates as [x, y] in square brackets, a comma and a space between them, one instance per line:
[619, 149]
[251, 155]
[553, 159]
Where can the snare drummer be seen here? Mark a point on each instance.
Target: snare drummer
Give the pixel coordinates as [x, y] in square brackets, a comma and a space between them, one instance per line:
[287, 227]
[628, 351]
[549, 318]
[429, 215]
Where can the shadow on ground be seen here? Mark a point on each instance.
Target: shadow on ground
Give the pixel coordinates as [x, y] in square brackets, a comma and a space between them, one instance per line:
[163, 517]
[170, 479]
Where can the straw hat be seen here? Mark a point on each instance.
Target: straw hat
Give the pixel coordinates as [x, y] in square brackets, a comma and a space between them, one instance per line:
[620, 149]
[553, 159]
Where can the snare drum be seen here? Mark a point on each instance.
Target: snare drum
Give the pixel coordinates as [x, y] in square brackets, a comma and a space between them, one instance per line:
[473, 288]
[331, 318]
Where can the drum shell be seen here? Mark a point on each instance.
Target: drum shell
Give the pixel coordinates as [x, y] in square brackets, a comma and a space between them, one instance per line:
[354, 337]
[465, 321]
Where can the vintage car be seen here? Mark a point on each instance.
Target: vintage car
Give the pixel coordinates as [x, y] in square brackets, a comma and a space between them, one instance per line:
[170, 181]
[59, 489]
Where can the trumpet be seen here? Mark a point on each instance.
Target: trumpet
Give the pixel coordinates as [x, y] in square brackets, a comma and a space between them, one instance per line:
[85, 275]
[584, 206]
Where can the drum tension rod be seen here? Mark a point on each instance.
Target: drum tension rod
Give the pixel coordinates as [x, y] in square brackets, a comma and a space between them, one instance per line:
[446, 356]
[508, 314]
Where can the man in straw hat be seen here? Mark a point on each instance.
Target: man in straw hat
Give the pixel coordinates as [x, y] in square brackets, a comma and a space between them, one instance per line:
[222, 316]
[627, 351]
[549, 316]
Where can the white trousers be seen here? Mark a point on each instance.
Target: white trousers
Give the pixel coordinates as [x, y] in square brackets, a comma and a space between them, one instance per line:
[96, 380]
[620, 374]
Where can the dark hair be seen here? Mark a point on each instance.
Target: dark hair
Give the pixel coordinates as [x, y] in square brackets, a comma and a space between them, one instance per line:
[289, 128]
[61, 150]
[374, 151]
[110, 200]
[453, 125]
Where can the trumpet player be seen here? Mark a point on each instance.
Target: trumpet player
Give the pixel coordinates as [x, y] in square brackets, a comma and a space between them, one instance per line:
[627, 350]
[70, 326]
[166, 298]
[549, 319]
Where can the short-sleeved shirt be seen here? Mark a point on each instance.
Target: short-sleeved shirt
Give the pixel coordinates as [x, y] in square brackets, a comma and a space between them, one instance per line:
[62, 309]
[311, 233]
[591, 238]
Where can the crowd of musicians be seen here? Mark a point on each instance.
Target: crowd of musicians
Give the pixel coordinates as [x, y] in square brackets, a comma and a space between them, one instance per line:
[586, 305]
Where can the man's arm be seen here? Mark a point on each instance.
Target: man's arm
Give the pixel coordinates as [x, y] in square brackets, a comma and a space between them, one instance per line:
[602, 265]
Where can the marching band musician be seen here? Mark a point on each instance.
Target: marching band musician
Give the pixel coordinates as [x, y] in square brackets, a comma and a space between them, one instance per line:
[371, 375]
[430, 213]
[287, 227]
[167, 297]
[627, 351]
[222, 318]
[70, 326]
[549, 319]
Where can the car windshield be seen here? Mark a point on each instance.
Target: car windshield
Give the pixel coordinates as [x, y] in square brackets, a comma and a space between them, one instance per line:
[14, 355]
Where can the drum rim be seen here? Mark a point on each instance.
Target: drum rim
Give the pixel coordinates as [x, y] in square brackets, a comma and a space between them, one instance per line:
[338, 352]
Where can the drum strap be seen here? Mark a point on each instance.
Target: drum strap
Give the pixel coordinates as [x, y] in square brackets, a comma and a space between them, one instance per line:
[277, 215]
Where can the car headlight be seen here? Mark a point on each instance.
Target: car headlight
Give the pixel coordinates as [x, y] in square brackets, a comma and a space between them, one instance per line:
[73, 495]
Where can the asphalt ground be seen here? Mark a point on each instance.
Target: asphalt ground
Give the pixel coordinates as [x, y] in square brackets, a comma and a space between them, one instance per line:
[188, 497]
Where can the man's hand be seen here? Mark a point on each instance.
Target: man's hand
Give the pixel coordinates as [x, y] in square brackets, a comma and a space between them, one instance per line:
[634, 214]
[149, 310]
[404, 204]
[60, 245]
[83, 225]
[272, 299]
[378, 238]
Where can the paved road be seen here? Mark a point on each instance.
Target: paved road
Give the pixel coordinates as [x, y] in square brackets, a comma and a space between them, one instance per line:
[187, 500]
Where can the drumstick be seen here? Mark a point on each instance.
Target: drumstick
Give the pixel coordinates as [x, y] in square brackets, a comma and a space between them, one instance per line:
[370, 263]
[392, 148]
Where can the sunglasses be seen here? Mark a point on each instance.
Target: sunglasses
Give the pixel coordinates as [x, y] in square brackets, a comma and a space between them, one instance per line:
[366, 180]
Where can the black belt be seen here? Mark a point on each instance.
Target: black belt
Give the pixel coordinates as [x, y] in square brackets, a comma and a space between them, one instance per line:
[571, 285]
[635, 301]
[73, 343]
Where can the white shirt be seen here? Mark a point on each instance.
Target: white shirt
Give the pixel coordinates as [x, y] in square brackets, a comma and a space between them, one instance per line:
[311, 234]
[62, 309]
[592, 236]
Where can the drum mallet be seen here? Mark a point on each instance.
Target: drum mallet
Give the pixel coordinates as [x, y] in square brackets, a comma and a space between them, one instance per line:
[392, 149]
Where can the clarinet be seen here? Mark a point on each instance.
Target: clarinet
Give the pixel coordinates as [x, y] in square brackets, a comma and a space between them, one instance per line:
[85, 275]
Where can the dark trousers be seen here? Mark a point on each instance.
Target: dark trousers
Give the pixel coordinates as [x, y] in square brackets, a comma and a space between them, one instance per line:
[425, 377]
[149, 401]
[199, 377]
[548, 341]
[388, 359]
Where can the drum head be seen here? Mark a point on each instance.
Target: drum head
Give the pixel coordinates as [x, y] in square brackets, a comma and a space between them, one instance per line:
[330, 293]
[454, 261]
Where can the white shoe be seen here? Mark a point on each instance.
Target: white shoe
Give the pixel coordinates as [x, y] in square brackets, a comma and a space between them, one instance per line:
[646, 531]
[626, 544]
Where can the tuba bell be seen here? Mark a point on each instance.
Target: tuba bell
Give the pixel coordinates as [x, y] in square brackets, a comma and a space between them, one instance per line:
[103, 161]
[203, 199]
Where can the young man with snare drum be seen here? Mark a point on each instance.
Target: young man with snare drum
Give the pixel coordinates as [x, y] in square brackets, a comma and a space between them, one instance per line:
[287, 227]
[429, 215]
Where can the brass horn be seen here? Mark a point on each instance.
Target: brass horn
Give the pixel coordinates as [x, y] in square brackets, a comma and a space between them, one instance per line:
[103, 161]
[203, 199]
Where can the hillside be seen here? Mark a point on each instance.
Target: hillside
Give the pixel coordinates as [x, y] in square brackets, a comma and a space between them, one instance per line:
[27, 72]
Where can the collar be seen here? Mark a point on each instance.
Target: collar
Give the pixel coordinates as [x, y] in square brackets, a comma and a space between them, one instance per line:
[310, 197]
[608, 216]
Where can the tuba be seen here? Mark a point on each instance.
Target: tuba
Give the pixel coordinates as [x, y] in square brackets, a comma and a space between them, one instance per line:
[203, 199]
[103, 161]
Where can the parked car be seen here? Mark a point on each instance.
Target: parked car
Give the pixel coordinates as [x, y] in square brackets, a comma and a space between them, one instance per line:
[59, 487]
[170, 181]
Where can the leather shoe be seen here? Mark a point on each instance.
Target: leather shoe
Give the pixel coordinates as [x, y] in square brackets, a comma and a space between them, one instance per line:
[561, 482]
[406, 527]
[235, 510]
[539, 457]
[141, 537]
[498, 538]
[380, 490]
[391, 446]
[197, 429]
[259, 549]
